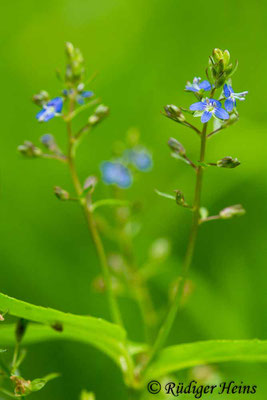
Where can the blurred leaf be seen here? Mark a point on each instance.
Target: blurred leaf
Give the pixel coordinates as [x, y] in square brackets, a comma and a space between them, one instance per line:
[38, 384]
[104, 335]
[188, 355]
[166, 195]
[109, 202]
[87, 395]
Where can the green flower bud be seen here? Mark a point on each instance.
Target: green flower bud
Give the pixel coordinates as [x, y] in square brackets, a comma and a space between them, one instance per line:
[226, 57]
[61, 194]
[41, 98]
[75, 67]
[99, 114]
[228, 162]
[173, 112]
[179, 198]
[29, 150]
[176, 147]
[229, 212]
[217, 54]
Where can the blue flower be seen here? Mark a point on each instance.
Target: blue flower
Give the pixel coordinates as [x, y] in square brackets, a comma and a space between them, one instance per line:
[141, 159]
[231, 97]
[116, 173]
[50, 110]
[86, 94]
[196, 86]
[208, 108]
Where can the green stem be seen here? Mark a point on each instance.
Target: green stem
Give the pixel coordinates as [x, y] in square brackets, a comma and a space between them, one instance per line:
[114, 308]
[168, 323]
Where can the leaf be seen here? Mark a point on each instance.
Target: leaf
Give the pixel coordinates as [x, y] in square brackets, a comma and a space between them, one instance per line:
[166, 195]
[110, 202]
[38, 384]
[107, 337]
[188, 355]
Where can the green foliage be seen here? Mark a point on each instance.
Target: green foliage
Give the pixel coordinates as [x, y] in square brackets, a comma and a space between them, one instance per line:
[188, 355]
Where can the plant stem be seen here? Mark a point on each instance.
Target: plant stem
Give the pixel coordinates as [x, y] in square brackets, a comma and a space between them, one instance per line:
[114, 308]
[168, 323]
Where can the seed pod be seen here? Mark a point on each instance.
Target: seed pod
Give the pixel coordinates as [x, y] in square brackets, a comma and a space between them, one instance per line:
[61, 194]
[228, 162]
[176, 146]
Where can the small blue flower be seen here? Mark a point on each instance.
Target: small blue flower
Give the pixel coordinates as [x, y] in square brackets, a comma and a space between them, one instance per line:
[141, 159]
[208, 108]
[84, 95]
[50, 110]
[116, 173]
[231, 97]
[196, 86]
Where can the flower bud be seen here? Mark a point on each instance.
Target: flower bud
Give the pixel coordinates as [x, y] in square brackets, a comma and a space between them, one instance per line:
[176, 146]
[231, 211]
[90, 184]
[61, 194]
[29, 150]
[228, 162]
[179, 198]
[217, 54]
[41, 98]
[48, 140]
[226, 57]
[75, 67]
[99, 114]
[173, 112]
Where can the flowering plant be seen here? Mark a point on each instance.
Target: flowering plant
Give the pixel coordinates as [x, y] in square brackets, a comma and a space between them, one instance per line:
[120, 273]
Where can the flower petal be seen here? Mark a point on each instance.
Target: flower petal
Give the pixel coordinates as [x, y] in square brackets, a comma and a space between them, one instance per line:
[199, 106]
[229, 104]
[217, 102]
[57, 103]
[191, 88]
[87, 94]
[206, 116]
[226, 90]
[205, 85]
[141, 160]
[45, 115]
[221, 113]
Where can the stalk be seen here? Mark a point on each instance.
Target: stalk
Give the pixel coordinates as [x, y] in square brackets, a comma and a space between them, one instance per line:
[113, 305]
[168, 323]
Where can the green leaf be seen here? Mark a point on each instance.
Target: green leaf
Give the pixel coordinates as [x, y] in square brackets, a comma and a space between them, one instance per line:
[38, 384]
[87, 395]
[166, 195]
[110, 202]
[188, 355]
[107, 337]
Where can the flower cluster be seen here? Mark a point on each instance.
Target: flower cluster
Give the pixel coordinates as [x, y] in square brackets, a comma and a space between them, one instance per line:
[120, 171]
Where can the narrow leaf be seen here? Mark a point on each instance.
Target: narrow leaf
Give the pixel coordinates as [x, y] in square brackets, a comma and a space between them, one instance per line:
[188, 355]
[166, 195]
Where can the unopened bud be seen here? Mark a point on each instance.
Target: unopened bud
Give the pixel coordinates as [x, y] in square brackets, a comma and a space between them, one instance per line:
[228, 162]
[173, 112]
[176, 146]
[90, 184]
[229, 212]
[99, 114]
[217, 54]
[29, 150]
[226, 57]
[61, 194]
[69, 49]
[179, 198]
[41, 98]
[48, 140]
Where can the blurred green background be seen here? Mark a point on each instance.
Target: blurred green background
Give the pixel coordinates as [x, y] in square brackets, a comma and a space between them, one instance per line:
[144, 52]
